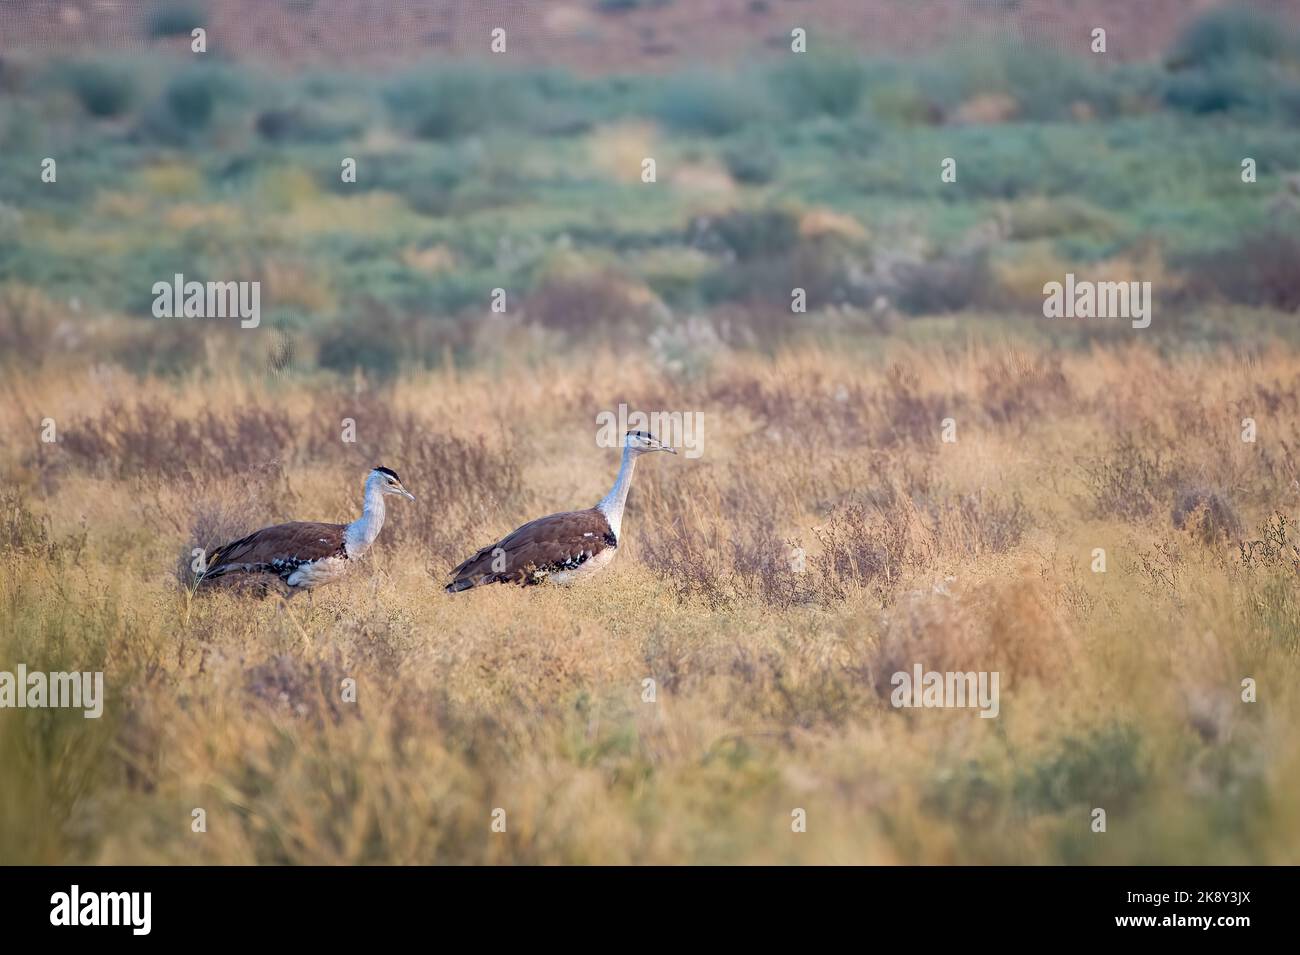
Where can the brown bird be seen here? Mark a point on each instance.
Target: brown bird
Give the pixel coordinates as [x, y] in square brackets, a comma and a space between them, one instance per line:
[306, 554]
[562, 548]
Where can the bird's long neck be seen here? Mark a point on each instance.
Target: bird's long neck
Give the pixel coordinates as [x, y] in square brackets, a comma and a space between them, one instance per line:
[612, 503]
[362, 532]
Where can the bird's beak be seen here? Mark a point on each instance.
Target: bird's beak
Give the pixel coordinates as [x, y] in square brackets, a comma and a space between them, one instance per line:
[664, 447]
[408, 495]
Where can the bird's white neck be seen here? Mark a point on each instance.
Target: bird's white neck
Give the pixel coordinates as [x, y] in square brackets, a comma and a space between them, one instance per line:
[612, 503]
[362, 532]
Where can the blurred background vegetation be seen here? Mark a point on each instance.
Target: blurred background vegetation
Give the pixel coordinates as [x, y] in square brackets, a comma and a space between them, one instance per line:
[817, 170]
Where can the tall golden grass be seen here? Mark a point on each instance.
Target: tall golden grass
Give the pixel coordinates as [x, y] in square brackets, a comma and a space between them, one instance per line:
[1121, 689]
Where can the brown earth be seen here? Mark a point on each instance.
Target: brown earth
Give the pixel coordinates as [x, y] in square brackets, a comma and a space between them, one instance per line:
[656, 34]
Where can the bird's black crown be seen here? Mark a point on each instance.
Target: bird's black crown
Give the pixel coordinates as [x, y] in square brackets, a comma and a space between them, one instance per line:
[641, 434]
[389, 471]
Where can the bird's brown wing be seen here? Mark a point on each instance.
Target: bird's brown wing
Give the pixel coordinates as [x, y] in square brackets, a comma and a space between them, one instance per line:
[529, 553]
[280, 549]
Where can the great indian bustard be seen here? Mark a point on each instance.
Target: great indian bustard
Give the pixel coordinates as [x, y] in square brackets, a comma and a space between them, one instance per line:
[561, 548]
[306, 554]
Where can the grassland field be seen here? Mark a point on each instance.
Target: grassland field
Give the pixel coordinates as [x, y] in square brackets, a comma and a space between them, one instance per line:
[826, 538]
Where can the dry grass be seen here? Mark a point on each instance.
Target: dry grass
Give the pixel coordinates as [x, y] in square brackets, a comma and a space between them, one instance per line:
[826, 538]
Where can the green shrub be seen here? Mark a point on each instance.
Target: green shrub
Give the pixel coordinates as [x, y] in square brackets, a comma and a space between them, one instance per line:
[453, 103]
[1045, 85]
[1231, 34]
[190, 100]
[303, 125]
[752, 163]
[904, 103]
[623, 6]
[747, 233]
[104, 91]
[348, 348]
[829, 85]
[1041, 218]
[1203, 94]
[1049, 86]
[1105, 767]
[1250, 87]
[175, 19]
[708, 105]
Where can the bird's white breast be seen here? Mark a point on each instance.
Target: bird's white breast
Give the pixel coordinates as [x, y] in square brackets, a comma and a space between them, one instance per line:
[588, 568]
[318, 572]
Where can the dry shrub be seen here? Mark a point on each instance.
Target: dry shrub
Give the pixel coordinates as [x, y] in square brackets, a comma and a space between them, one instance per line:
[1277, 398]
[582, 304]
[739, 557]
[125, 441]
[307, 689]
[1128, 481]
[217, 510]
[1275, 463]
[1280, 460]
[770, 567]
[1018, 278]
[868, 546]
[1207, 514]
[944, 284]
[729, 539]
[1260, 270]
[900, 529]
[691, 558]
[386, 434]
[22, 531]
[905, 412]
[1019, 386]
[878, 543]
[756, 324]
[1273, 548]
[721, 568]
[37, 331]
[1007, 626]
[979, 523]
[803, 409]
[467, 478]
[467, 482]
[1160, 569]
[30, 323]
[230, 463]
